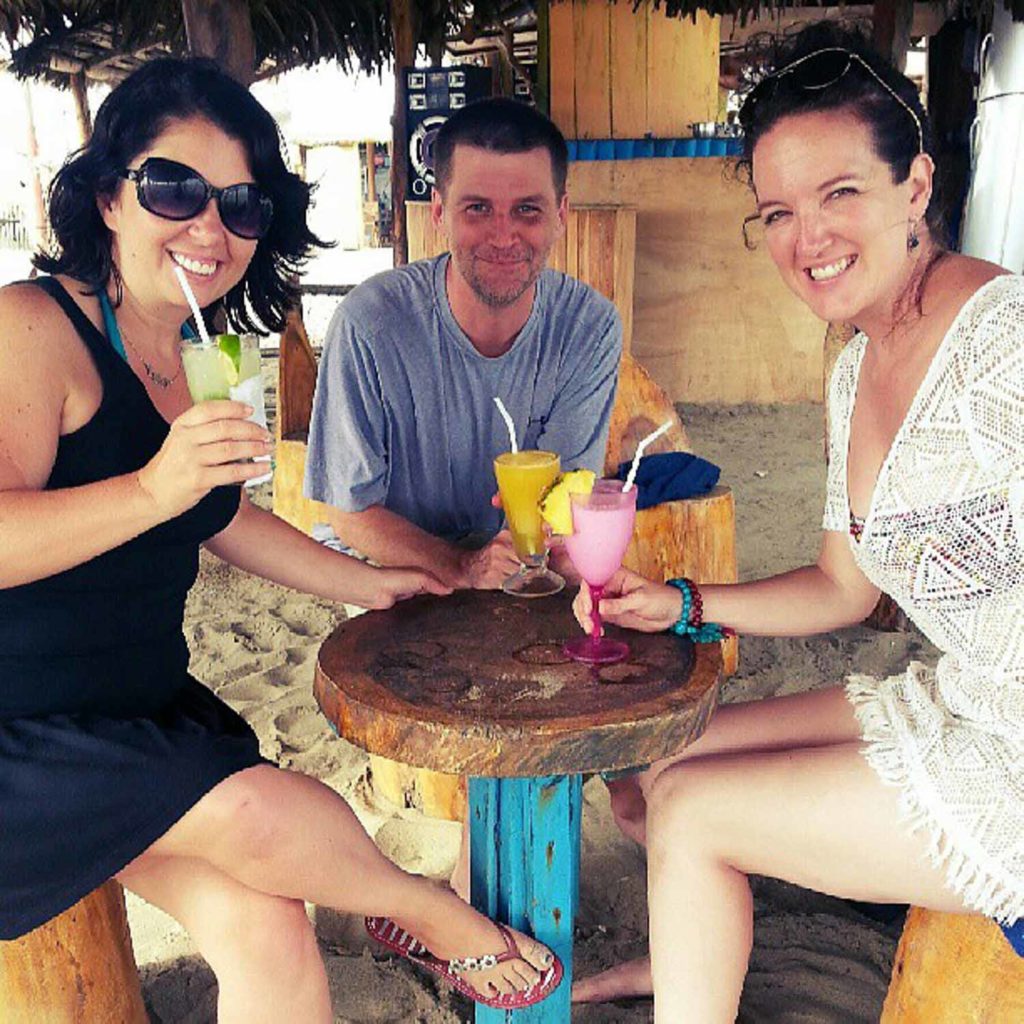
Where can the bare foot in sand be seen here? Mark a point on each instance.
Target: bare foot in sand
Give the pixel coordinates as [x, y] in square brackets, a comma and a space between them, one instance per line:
[460, 931]
[631, 980]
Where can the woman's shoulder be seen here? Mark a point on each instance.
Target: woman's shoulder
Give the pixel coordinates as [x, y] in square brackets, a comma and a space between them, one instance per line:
[32, 320]
[966, 285]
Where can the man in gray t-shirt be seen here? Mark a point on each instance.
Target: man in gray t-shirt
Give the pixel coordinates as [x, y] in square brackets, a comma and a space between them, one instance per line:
[405, 429]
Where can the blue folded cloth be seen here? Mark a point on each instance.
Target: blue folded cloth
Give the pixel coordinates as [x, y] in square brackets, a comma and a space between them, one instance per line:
[1014, 932]
[669, 476]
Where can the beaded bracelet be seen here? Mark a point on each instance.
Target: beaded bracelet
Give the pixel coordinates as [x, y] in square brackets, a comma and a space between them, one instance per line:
[691, 619]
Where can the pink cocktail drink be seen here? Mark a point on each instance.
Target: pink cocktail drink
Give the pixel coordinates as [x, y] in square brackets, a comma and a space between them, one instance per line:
[602, 524]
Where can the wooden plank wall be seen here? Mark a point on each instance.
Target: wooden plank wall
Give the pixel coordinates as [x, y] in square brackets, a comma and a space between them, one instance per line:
[616, 73]
[712, 322]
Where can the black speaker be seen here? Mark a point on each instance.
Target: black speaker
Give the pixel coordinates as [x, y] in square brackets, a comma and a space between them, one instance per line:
[431, 96]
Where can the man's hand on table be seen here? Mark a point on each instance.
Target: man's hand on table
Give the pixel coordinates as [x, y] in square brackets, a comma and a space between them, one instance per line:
[488, 567]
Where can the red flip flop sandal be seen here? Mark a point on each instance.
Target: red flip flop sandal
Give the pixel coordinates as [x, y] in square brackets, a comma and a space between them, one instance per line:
[388, 934]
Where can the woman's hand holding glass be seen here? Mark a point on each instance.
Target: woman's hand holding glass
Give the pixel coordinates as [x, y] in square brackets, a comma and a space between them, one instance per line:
[632, 601]
[203, 450]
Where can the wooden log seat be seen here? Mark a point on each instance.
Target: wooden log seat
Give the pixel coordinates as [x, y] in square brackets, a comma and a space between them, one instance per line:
[954, 969]
[887, 616]
[695, 538]
[76, 969]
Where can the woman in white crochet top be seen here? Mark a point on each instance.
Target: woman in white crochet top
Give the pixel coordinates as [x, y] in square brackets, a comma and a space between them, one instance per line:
[908, 789]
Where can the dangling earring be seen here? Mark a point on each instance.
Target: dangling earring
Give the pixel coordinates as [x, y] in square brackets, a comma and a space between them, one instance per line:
[115, 275]
[912, 240]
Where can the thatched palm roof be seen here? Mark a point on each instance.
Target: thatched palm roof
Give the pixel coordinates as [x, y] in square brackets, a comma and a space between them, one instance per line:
[107, 38]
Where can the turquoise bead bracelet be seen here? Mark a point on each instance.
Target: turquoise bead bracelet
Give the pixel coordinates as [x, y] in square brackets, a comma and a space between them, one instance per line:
[691, 618]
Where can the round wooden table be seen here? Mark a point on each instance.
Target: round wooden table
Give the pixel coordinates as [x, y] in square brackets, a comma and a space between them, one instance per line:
[476, 684]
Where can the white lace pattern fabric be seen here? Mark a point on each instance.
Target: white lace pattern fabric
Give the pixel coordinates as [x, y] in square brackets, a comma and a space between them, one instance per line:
[944, 537]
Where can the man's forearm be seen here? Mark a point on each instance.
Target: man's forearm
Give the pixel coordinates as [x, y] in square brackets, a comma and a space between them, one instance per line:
[388, 539]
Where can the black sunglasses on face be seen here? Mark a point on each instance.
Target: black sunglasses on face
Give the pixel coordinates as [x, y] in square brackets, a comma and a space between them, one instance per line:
[176, 192]
[822, 68]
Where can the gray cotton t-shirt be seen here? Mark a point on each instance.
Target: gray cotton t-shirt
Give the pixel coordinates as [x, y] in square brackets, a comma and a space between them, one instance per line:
[404, 413]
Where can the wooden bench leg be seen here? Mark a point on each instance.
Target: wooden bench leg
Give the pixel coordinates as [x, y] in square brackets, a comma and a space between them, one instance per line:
[954, 969]
[76, 969]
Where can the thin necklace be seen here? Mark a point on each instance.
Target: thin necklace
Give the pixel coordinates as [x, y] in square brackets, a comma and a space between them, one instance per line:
[155, 376]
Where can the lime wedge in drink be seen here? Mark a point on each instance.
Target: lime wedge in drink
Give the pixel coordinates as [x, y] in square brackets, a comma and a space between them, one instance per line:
[230, 346]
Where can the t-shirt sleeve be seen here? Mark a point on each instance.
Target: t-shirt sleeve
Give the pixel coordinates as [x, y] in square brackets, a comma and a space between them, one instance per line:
[837, 513]
[992, 405]
[577, 426]
[347, 459]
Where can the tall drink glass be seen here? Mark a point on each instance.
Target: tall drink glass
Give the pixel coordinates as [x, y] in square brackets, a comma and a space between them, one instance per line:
[227, 367]
[602, 524]
[522, 478]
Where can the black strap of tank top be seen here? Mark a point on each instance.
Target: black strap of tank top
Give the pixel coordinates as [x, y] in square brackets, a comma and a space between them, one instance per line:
[87, 330]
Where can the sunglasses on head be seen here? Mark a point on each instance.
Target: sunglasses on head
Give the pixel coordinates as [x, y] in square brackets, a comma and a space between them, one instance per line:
[825, 67]
[176, 192]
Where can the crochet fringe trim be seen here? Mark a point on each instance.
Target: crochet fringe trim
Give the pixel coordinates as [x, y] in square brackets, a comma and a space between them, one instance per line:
[996, 897]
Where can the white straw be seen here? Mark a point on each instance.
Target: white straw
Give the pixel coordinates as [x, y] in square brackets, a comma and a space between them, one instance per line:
[508, 423]
[631, 475]
[200, 326]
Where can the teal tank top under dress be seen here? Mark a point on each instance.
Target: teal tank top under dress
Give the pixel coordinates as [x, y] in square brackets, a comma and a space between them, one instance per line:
[105, 738]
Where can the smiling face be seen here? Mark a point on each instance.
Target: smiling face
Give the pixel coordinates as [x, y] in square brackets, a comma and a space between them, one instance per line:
[835, 223]
[502, 216]
[146, 248]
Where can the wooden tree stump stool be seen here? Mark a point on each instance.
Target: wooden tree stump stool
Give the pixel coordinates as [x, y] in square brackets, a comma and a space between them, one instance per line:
[477, 684]
[76, 969]
[954, 969]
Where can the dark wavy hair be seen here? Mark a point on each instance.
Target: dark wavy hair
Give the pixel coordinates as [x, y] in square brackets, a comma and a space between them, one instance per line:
[134, 114]
[893, 132]
[502, 126]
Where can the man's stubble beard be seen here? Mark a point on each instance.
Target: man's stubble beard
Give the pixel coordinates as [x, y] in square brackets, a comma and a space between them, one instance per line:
[466, 263]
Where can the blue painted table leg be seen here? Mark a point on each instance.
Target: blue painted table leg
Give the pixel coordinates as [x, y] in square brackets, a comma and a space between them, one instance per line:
[524, 870]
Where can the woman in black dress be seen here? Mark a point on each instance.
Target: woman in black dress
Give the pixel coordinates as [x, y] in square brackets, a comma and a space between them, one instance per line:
[113, 760]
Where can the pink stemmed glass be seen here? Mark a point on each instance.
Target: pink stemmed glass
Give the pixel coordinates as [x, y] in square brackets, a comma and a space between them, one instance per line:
[602, 523]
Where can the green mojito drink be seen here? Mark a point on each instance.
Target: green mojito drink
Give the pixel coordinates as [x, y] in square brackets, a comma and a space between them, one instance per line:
[227, 367]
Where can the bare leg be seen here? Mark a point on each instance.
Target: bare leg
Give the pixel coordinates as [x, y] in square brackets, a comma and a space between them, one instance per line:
[459, 880]
[818, 817]
[261, 948]
[801, 720]
[814, 719]
[287, 835]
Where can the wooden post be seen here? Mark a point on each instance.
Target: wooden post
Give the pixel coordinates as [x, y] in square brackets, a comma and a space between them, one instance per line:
[38, 221]
[81, 98]
[222, 30]
[954, 969]
[891, 21]
[76, 969]
[403, 41]
[524, 870]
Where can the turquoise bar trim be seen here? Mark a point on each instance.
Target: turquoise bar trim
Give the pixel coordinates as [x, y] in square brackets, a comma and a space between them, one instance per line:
[525, 869]
[641, 149]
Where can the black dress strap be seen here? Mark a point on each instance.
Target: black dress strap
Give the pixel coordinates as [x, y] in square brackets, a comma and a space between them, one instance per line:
[87, 330]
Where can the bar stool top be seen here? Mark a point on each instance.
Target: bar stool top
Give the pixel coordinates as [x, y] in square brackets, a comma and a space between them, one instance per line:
[477, 684]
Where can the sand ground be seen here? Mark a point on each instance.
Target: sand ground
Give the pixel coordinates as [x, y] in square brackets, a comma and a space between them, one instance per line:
[815, 959]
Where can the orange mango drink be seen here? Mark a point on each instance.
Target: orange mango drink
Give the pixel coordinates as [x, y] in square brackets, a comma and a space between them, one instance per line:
[523, 477]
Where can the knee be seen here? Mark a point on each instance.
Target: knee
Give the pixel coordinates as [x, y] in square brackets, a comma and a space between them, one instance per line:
[258, 932]
[676, 806]
[246, 806]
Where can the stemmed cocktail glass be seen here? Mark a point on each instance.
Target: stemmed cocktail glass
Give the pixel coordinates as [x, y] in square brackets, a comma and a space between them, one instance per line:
[523, 477]
[602, 524]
